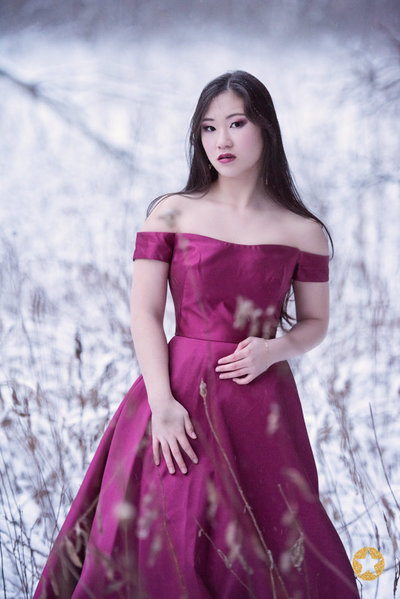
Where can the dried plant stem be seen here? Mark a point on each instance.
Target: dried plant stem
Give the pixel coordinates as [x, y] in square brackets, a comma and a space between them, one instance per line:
[311, 545]
[225, 559]
[272, 567]
[396, 577]
[3, 580]
[174, 557]
[381, 458]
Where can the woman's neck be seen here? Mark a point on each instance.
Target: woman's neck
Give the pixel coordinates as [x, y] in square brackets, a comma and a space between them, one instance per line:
[239, 193]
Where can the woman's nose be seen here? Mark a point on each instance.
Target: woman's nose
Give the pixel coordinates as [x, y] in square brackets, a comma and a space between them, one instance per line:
[224, 139]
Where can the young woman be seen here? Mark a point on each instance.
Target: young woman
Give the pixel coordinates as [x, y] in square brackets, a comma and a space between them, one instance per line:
[204, 485]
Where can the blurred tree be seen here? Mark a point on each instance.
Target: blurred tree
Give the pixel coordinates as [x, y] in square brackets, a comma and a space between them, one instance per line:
[92, 17]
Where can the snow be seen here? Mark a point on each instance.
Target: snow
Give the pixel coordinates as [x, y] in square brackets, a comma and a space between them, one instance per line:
[80, 162]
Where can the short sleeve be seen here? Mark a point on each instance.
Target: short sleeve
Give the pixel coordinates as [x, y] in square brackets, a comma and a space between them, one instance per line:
[311, 268]
[154, 246]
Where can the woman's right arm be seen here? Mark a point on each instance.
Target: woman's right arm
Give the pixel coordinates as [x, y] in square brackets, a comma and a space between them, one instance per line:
[170, 422]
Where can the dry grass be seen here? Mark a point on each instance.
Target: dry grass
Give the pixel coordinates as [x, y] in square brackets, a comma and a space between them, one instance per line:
[67, 358]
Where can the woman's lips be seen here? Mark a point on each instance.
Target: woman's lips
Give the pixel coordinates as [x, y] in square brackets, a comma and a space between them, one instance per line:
[225, 158]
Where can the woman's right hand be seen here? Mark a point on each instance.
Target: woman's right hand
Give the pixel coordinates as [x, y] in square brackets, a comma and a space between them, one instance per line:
[171, 426]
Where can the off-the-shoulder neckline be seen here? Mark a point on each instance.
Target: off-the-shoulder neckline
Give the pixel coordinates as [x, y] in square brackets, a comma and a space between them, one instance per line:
[233, 243]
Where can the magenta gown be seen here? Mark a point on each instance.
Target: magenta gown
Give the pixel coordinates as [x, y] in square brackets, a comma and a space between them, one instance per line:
[246, 521]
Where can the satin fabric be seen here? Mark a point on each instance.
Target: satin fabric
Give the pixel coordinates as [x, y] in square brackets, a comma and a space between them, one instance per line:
[246, 521]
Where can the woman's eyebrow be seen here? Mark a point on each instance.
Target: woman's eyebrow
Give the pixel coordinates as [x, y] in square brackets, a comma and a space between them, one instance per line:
[228, 117]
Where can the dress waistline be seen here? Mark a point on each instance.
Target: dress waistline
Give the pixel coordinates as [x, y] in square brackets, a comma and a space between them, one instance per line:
[205, 339]
[210, 340]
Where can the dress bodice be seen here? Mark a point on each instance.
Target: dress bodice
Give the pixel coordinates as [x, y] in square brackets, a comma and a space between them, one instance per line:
[227, 291]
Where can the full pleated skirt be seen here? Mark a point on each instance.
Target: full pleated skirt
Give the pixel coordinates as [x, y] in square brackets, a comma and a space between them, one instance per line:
[245, 522]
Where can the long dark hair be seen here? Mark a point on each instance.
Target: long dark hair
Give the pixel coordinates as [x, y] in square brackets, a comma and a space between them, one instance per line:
[275, 171]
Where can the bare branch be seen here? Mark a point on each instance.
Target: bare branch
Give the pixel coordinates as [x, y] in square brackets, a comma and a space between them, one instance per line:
[68, 113]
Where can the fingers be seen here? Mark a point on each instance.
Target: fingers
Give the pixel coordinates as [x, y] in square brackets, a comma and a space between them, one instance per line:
[172, 452]
[245, 363]
[176, 452]
[187, 448]
[167, 456]
[156, 451]
[239, 366]
[189, 427]
[238, 354]
[241, 352]
[244, 380]
[185, 443]
[172, 445]
[237, 372]
[227, 361]
[244, 343]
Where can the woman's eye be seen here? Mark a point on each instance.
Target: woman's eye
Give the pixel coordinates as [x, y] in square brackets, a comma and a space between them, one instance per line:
[208, 128]
[238, 124]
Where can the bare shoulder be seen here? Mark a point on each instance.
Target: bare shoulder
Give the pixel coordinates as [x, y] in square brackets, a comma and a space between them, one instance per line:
[165, 214]
[307, 234]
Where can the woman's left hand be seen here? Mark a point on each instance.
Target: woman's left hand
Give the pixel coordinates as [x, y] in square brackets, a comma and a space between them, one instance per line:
[249, 360]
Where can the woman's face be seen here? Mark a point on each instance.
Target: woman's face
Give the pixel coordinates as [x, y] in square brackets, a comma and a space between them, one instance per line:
[232, 142]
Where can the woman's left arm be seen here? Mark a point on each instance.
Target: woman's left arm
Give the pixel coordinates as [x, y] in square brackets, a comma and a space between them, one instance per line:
[253, 355]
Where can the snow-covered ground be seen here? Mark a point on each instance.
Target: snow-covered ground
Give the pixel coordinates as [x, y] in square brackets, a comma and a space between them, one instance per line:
[90, 133]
